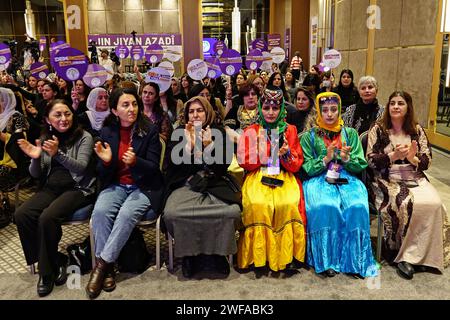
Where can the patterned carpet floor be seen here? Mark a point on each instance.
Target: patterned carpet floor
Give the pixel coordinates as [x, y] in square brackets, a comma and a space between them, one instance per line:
[12, 259]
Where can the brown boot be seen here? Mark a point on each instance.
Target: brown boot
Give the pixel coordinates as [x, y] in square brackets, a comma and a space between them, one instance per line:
[109, 284]
[95, 284]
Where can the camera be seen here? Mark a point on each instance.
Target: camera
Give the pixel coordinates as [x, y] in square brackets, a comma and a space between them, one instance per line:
[114, 57]
[93, 50]
[32, 45]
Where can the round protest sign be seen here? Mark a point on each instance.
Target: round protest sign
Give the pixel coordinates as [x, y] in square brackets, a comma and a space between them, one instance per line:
[173, 53]
[39, 70]
[278, 54]
[332, 58]
[154, 53]
[230, 62]
[58, 45]
[213, 64]
[197, 69]
[5, 66]
[259, 44]
[54, 49]
[267, 61]
[95, 76]
[42, 43]
[168, 66]
[219, 48]
[122, 51]
[136, 52]
[254, 59]
[70, 64]
[160, 76]
[5, 54]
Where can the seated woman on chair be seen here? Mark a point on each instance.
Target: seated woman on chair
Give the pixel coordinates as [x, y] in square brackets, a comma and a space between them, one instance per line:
[13, 126]
[62, 159]
[202, 204]
[98, 109]
[336, 201]
[128, 167]
[273, 214]
[412, 211]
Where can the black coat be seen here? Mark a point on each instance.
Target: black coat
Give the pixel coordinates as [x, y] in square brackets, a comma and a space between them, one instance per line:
[225, 189]
[146, 173]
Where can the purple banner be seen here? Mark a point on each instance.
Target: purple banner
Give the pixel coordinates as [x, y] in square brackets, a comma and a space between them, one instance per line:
[136, 52]
[231, 62]
[219, 48]
[274, 40]
[287, 44]
[95, 76]
[5, 53]
[70, 64]
[259, 44]
[113, 40]
[39, 70]
[122, 51]
[254, 59]
[154, 53]
[213, 67]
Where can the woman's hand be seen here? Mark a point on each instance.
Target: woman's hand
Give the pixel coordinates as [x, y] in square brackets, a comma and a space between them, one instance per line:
[129, 157]
[189, 134]
[75, 99]
[206, 136]
[284, 149]
[330, 152]
[345, 152]
[229, 91]
[400, 152]
[103, 152]
[412, 151]
[51, 146]
[33, 151]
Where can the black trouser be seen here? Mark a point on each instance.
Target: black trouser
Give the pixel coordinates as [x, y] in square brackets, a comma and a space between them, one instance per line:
[8, 178]
[39, 224]
[296, 74]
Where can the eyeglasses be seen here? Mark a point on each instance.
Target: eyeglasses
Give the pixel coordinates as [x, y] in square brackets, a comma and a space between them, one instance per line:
[205, 95]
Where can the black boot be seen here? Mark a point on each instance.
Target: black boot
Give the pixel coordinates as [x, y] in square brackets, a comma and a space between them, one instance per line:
[45, 285]
[61, 272]
[222, 265]
[187, 267]
[405, 270]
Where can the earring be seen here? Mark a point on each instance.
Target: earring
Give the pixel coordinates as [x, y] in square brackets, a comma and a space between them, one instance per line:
[50, 127]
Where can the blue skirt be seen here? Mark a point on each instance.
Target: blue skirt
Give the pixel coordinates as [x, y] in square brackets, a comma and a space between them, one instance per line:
[338, 227]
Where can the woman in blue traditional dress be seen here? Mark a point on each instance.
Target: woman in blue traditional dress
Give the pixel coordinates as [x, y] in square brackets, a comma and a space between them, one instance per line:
[338, 229]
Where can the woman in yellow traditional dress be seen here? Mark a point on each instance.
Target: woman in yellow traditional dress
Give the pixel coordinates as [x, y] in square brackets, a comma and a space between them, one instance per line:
[273, 210]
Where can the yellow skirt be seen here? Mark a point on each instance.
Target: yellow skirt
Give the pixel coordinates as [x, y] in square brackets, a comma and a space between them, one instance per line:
[235, 170]
[274, 230]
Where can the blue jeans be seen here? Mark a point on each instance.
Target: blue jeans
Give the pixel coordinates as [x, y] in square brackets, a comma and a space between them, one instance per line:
[116, 212]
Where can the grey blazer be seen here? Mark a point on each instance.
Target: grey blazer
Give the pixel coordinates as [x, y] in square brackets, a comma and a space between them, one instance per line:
[78, 160]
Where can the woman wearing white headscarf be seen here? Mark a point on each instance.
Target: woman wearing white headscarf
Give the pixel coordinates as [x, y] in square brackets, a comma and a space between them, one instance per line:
[98, 110]
[13, 126]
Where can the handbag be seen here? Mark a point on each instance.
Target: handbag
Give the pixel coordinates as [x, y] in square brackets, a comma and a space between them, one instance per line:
[200, 180]
[80, 255]
[5, 211]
